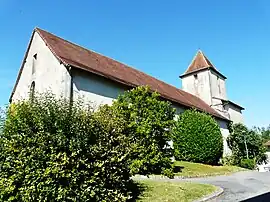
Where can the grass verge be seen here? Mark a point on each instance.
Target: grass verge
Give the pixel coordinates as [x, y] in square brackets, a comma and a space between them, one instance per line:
[160, 191]
[188, 169]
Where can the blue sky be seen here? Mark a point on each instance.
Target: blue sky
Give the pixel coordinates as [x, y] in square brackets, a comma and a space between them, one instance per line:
[157, 37]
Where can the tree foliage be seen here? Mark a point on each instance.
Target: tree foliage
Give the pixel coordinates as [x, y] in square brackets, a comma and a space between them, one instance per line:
[148, 121]
[2, 119]
[197, 138]
[52, 151]
[264, 132]
[246, 144]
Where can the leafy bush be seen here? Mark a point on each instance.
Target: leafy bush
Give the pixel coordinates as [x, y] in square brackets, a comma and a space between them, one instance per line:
[247, 163]
[148, 122]
[2, 119]
[228, 160]
[197, 138]
[52, 151]
[245, 144]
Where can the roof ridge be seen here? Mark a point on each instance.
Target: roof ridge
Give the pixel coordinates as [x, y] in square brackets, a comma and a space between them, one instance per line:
[207, 60]
[194, 57]
[93, 51]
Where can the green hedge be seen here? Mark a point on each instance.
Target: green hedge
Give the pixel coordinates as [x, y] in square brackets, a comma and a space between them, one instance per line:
[197, 138]
[148, 123]
[50, 151]
[248, 163]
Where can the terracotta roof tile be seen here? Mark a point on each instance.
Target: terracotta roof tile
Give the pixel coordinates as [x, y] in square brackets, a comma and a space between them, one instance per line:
[200, 62]
[79, 57]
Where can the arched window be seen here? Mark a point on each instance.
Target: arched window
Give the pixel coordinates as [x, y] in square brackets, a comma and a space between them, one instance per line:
[32, 91]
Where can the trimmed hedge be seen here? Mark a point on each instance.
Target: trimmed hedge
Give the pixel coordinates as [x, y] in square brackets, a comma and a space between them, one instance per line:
[197, 138]
[51, 151]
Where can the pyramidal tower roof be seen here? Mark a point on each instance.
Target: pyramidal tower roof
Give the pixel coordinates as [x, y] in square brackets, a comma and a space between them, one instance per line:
[200, 62]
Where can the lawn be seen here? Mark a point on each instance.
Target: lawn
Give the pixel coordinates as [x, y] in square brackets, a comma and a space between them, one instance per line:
[188, 169]
[160, 191]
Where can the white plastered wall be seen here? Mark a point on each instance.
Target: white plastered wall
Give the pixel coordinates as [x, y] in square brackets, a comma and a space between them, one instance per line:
[95, 90]
[218, 87]
[225, 133]
[49, 74]
[235, 113]
[198, 85]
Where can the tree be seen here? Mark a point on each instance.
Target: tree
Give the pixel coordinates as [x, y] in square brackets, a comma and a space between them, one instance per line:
[265, 133]
[197, 138]
[246, 144]
[148, 121]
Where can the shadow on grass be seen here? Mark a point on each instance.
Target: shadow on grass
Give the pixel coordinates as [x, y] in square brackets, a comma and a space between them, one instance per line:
[261, 198]
[178, 169]
[137, 190]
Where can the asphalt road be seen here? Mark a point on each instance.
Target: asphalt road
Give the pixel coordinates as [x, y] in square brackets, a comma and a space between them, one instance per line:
[247, 186]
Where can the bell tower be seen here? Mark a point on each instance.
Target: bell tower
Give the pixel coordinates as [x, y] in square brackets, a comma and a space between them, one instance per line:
[203, 80]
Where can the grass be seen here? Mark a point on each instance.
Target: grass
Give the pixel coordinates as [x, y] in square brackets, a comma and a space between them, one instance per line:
[188, 169]
[160, 191]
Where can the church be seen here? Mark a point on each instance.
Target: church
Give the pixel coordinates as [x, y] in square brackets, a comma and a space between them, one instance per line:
[71, 71]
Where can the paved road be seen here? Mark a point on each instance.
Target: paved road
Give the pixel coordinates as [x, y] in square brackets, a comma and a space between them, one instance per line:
[241, 186]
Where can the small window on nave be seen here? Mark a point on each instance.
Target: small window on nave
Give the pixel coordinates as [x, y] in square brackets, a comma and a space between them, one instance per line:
[34, 61]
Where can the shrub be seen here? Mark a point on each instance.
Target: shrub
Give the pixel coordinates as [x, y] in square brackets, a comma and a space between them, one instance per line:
[227, 160]
[52, 151]
[2, 119]
[246, 143]
[230, 160]
[197, 138]
[148, 123]
[247, 163]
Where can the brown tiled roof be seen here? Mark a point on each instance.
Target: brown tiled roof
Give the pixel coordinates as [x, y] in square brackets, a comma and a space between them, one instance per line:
[200, 62]
[79, 57]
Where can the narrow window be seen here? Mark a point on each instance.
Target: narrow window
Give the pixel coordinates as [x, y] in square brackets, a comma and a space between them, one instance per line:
[196, 76]
[219, 88]
[34, 64]
[32, 91]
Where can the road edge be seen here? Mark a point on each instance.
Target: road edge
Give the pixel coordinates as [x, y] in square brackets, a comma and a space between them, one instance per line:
[211, 196]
